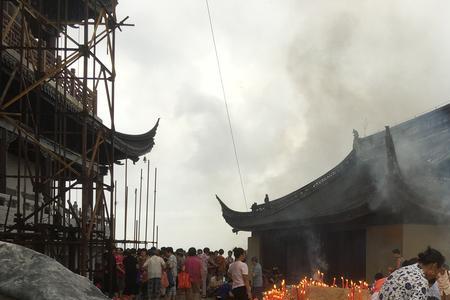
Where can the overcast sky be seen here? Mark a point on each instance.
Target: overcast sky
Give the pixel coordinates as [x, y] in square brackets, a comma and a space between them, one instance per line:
[299, 76]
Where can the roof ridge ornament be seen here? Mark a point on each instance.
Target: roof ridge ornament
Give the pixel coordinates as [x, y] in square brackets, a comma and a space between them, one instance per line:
[393, 167]
[356, 141]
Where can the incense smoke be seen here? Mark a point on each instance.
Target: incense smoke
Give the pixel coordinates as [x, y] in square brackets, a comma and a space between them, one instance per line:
[361, 65]
[314, 252]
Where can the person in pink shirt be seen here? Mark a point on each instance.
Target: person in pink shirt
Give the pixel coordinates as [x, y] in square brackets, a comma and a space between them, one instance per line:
[193, 266]
[120, 270]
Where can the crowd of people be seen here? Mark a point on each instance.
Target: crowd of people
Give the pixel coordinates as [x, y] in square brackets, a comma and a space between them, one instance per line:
[197, 273]
[200, 273]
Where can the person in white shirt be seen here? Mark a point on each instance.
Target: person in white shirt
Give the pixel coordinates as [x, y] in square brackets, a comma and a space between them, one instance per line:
[238, 272]
[172, 269]
[257, 279]
[204, 257]
[154, 264]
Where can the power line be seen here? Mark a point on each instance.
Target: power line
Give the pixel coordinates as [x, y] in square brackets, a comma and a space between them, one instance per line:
[226, 104]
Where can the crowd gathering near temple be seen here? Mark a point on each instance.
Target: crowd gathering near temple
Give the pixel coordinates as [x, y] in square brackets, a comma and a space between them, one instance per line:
[143, 274]
[165, 273]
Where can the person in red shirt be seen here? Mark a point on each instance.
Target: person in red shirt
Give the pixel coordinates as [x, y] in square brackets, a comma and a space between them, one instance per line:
[378, 284]
[193, 266]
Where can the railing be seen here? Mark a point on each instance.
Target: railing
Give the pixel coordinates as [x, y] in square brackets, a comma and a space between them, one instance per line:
[67, 84]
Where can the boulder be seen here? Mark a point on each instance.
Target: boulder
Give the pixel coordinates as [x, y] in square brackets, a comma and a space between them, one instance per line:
[29, 275]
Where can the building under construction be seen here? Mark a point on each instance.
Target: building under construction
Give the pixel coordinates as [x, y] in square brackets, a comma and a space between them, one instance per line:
[57, 63]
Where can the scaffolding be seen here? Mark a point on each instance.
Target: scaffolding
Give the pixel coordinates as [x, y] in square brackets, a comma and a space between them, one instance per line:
[56, 57]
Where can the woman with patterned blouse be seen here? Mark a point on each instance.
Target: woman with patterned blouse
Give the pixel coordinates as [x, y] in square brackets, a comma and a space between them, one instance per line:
[412, 282]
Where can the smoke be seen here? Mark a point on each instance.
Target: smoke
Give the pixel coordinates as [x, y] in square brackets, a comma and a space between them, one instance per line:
[363, 65]
[314, 251]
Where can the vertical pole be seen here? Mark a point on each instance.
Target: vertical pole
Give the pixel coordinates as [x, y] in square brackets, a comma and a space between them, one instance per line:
[154, 205]
[126, 219]
[115, 208]
[3, 133]
[113, 131]
[146, 206]
[157, 236]
[140, 205]
[126, 204]
[136, 243]
[2, 8]
[85, 184]
[126, 172]
[135, 211]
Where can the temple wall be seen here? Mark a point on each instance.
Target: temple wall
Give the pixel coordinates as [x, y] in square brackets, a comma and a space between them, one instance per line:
[380, 241]
[409, 238]
[417, 237]
[254, 249]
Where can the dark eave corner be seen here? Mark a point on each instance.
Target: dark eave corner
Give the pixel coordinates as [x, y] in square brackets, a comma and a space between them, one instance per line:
[133, 146]
[222, 204]
[226, 213]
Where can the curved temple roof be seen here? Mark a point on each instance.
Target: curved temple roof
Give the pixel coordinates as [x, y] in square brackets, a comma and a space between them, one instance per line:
[392, 173]
[132, 146]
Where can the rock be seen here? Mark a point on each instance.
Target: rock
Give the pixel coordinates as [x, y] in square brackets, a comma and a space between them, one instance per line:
[29, 275]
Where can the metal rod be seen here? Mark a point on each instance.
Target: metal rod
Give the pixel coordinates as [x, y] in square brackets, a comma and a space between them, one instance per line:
[154, 205]
[126, 202]
[115, 207]
[146, 205]
[136, 222]
[157, 236]
[113, 134]
[126, 219]
[135, 211]
[140, 205]
[84, 174]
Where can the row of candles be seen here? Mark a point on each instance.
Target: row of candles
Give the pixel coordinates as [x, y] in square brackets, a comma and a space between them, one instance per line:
[300, 291]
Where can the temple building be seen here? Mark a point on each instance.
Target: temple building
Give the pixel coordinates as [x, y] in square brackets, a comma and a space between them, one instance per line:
[391, 191]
